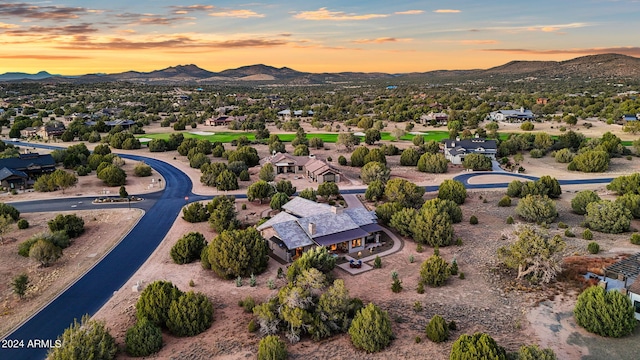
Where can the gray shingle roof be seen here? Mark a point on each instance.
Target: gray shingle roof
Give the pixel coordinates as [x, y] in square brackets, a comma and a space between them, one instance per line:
[292, 234]
[302, 207]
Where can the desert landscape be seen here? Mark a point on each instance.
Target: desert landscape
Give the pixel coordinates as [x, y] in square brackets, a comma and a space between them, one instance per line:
[488, 299]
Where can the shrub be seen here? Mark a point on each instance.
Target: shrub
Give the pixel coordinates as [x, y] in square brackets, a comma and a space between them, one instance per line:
[23, 224]
[505, 201]
[112, 175]
[514, 188]
[188, 248]
[396, 286]
[45, 252]
[473, 220]
[536, 208]
[593, 247]
[190, 315]
[587, 234]
[510, 220]
[418, 340]
[569, 233]
[195, 212]
[606, 313]
[437, 329]
[533, 352]
[564, 156]
[582, 199]
[89, 339]
[527, 126]
[342, 160]
[377, 262]
[453, 269]
[477, 346]
[143, 339]
[272, 348]
[477, 162]
[155, 301]
[608, 217]
[592, 161]
[433, 163]
[562, 225]
[370, 329]
[141, 170]
[420, 289]
[71, 224]
[417, 306]
[6, 209]
[536, 153]
[452, 190]
[635, 239]
[434, 271]
[461, 276]
[238, 253]
[444, 207]
[252, 326]
[247, 304]
[452, 325]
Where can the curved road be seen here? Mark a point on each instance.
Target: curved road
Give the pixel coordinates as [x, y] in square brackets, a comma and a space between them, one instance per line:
[96, 287]
[93, 289]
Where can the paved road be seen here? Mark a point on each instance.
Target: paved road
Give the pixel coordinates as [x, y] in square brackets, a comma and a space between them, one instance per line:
[93, 290]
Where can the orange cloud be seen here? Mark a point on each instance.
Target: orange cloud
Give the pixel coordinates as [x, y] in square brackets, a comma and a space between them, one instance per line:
[242, 14]
[446, 11]
[409, 12]
[379, 40]
[478, 42]
[7, 26]
[324, 14]
[625, 50]
[177, 42]
[43, 57]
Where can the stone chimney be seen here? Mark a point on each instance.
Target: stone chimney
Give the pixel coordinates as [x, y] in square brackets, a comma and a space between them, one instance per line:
[312, 228]
[336, 210]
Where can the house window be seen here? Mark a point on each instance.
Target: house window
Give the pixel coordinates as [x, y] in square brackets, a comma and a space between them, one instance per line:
[636, 306]
[356, 243]
[299, 168]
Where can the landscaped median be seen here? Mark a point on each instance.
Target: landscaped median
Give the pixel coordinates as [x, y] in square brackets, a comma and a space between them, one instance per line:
[109, 200]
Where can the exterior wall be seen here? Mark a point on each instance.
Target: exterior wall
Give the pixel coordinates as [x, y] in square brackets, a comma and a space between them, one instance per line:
[635, 298]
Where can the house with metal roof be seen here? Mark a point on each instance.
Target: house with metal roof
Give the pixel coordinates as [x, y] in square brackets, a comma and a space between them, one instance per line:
[519, 115]
[304, 224]
[456, 150]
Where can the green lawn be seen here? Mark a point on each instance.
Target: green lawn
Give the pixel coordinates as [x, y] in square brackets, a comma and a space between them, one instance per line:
[227, 136]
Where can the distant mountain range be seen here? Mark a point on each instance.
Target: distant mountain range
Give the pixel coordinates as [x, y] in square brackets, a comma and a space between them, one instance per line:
[606, 66]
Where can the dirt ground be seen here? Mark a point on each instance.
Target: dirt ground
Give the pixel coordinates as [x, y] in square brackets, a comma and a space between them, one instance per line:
[45, 283]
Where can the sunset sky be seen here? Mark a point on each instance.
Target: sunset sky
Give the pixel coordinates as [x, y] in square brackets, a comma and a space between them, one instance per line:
[77, 37]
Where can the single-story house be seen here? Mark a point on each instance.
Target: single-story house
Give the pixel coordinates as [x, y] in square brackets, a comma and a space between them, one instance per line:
[113, 123]
[13, 179]
[304, 224]
[223, 120]
[439, 117]
[456, 150]
[25, 169]
[519, 115]
[315, 169]
[626, 271]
